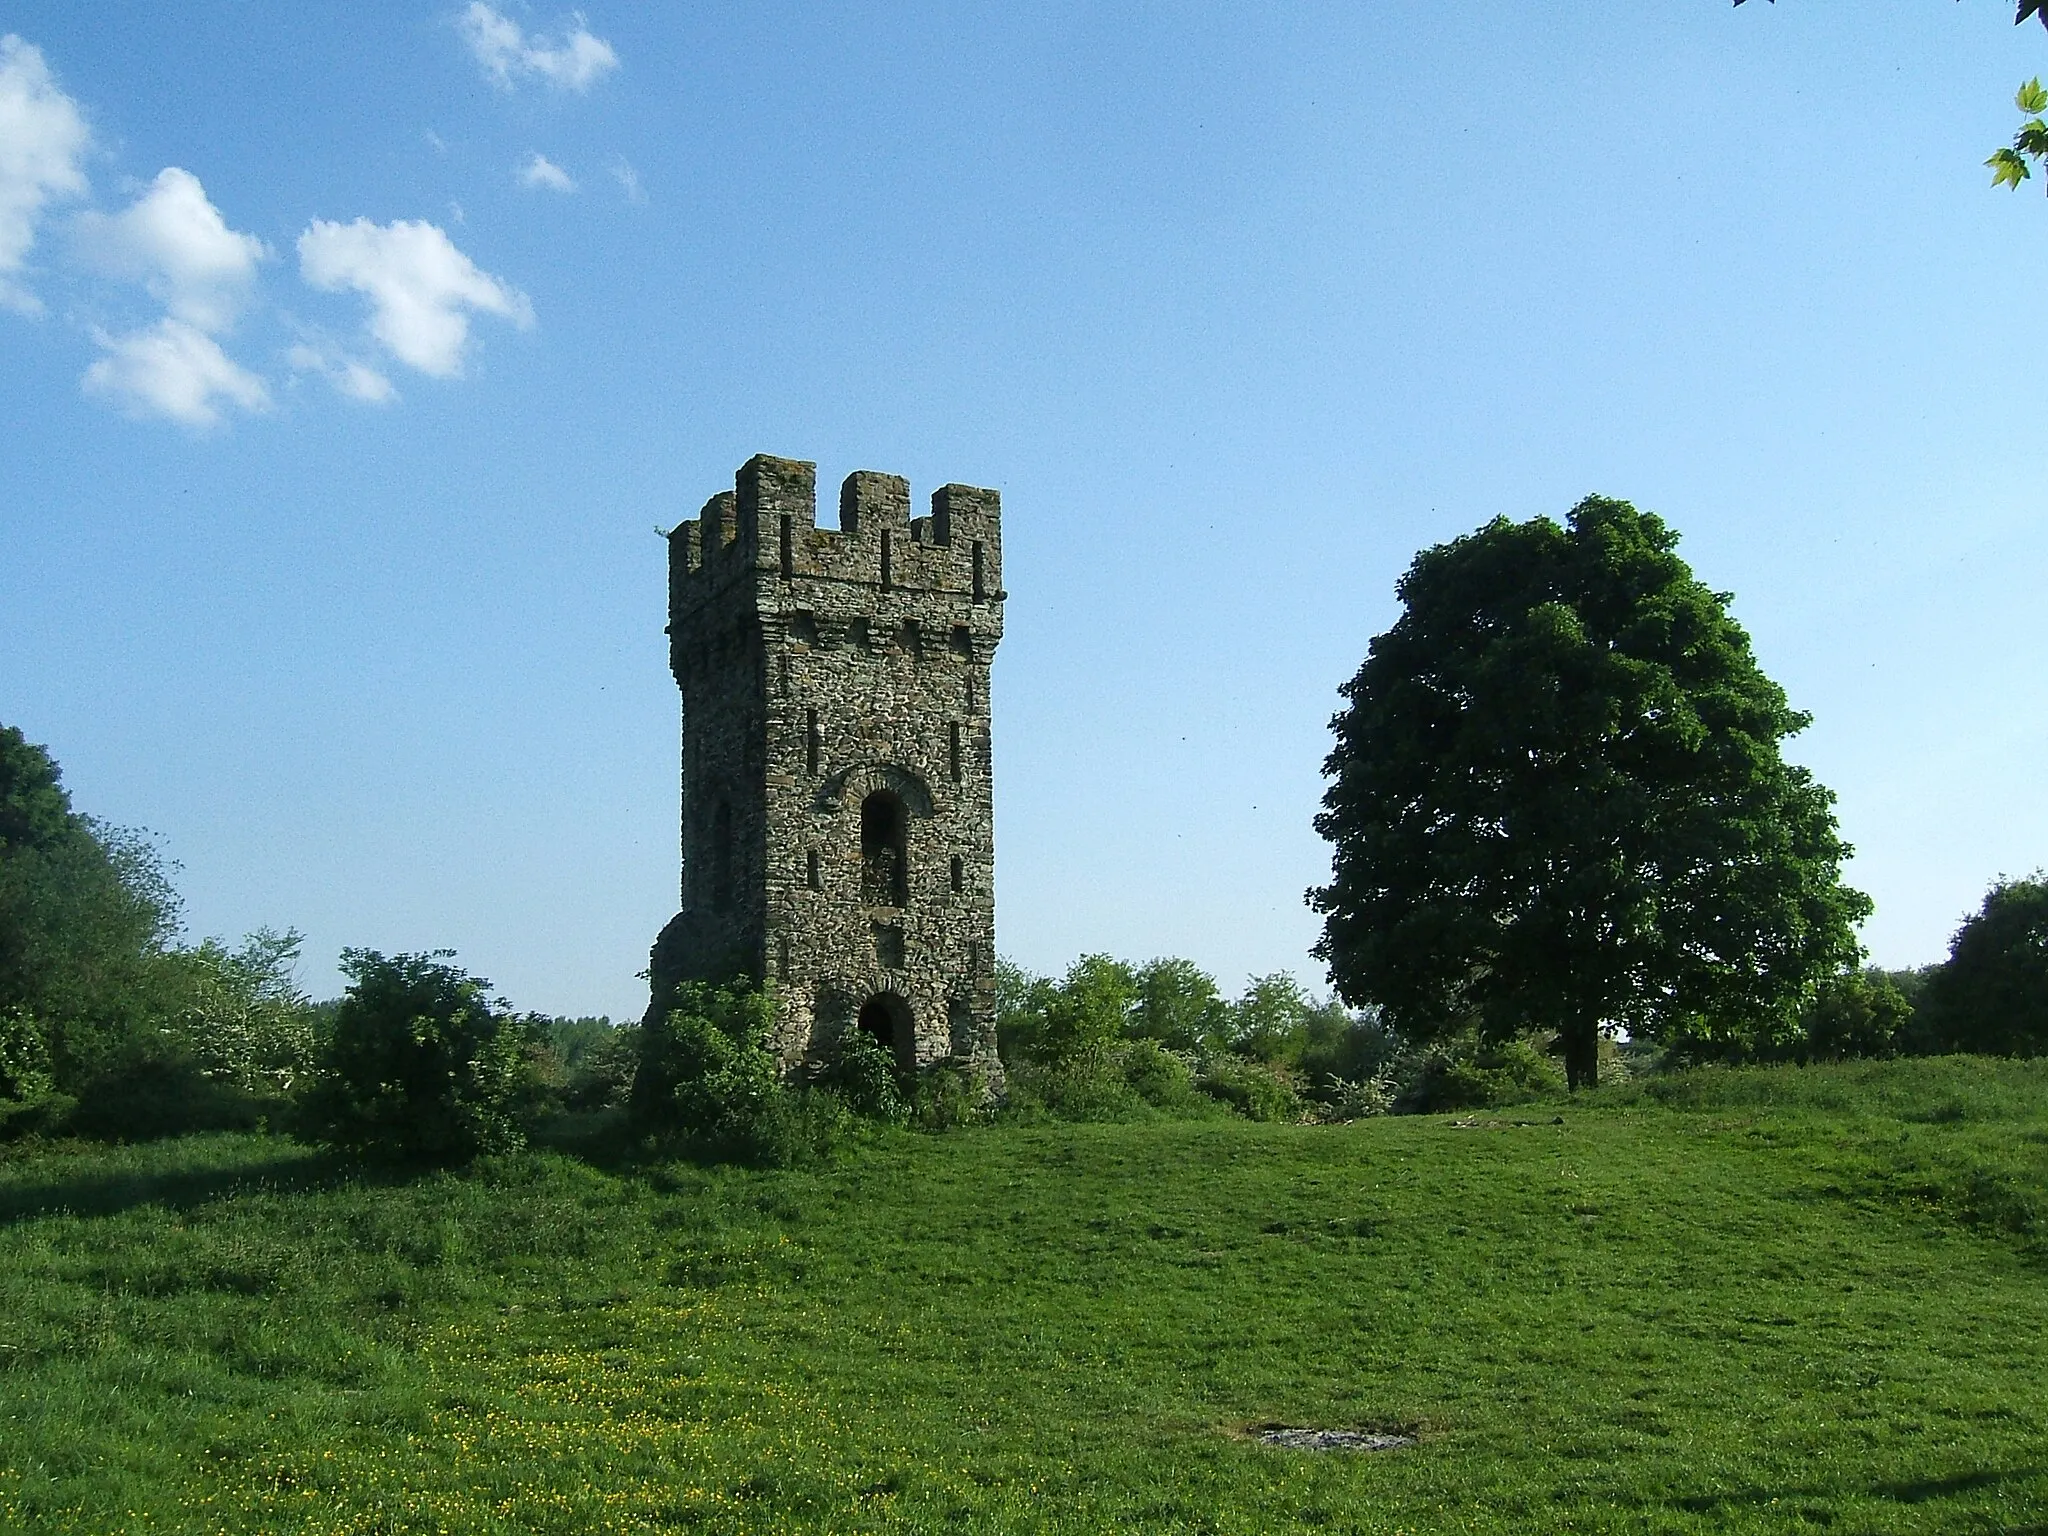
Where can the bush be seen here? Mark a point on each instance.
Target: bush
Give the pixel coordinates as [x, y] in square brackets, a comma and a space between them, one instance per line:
[1861, 1014]
[1179, 1007]
[600, 1076]
[1160, 1077]
[1343, 1099]
[1082, 1086]
[155, 1086]
[950, 1095]
[24, 1058]
[864, 1074]
[710, 1084]
[29, 1101]
[1256, 1090]
[1991, 995]
[1465, 1073]
[419, 1063]
[1351, 1047]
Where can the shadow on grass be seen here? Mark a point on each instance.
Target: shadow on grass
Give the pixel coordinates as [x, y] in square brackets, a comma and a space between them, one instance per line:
[1924, 1490]
[109, 1194]
[599, 1141]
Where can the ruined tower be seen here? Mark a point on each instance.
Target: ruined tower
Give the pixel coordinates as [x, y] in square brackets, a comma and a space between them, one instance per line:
[838, 832]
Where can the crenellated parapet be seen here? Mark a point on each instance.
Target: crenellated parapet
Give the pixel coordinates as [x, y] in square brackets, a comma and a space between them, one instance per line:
[765, 531]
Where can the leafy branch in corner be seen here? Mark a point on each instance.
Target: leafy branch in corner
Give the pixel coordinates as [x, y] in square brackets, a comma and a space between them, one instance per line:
[2025, 8]
[2009, 166]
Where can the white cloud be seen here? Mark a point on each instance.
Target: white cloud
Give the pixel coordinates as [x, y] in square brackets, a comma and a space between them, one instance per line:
[540, 171]
[43, 137]
[175, 370]
[508, 55]
[421, 288]
[629, 182]
[359, 381]
[175, 242]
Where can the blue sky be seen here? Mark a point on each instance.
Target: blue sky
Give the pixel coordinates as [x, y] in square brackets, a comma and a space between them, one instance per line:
[351, 355]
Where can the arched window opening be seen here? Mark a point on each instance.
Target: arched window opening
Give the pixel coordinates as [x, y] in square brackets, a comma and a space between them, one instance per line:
[885, 850]
[886, 1017]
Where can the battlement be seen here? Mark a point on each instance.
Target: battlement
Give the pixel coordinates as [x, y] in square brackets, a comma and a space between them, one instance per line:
[764, 531]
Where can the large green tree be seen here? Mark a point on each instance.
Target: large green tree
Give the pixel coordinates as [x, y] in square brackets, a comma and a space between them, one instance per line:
[1992, 994]
[1557, 801]
[86, 914]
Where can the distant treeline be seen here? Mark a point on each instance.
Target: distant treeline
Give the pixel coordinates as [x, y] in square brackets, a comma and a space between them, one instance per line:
[111, 1026]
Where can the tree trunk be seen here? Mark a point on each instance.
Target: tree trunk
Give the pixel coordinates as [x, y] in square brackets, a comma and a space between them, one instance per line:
[1582, 1056]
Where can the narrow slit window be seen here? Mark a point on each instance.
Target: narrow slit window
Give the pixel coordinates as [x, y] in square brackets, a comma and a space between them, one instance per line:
[788, 548]
[959, 874]
[885, 560]
[812, 876]
[811, 742]
[953, 747]
[980, 579]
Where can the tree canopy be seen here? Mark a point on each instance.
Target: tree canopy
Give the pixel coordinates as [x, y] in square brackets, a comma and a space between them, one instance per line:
[85, 913]
[1557, 802]
[1992, 995]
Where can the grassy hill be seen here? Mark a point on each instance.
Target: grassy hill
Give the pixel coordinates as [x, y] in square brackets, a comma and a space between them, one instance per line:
[1735, 1301]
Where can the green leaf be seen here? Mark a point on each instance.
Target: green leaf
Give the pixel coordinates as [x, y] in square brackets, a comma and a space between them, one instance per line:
[2031, 98]
[2007, 169]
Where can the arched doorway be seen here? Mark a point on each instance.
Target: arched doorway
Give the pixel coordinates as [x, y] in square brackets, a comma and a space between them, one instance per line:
[886, 1017]
[885, 850]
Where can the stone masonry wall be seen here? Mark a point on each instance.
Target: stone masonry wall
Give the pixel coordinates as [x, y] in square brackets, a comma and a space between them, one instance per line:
[820, 667]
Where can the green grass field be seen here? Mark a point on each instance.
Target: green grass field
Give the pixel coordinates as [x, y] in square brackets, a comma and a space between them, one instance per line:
[1756, 1301]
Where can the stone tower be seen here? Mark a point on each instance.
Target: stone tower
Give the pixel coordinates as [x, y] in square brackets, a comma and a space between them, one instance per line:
[838, 832]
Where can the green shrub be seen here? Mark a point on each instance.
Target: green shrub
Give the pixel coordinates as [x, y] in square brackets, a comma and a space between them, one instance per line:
[863, 1072]
[29, 1101]
[1087, 1086]
[242, 1016]
[1159, 1076]
[1464, 1073]
[1256, 1090]
[1270, 1021]
[1342, 1099]
[1179, 1007]
[710, 1084]
[419, 1063]
[1340, 1044]
[600, 1076]
[156, 1086]
[950, 1095]
[24, 1058]
[1859, 1015]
